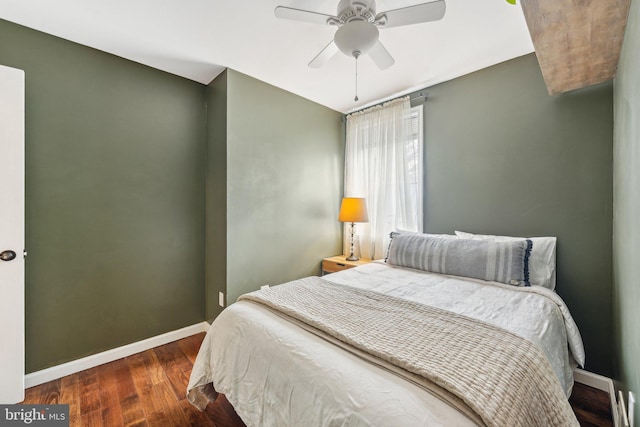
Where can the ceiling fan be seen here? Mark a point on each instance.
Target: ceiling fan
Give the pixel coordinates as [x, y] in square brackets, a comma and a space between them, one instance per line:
[358, 26]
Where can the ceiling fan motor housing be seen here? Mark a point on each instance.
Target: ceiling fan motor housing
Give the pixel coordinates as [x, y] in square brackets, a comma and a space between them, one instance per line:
[356, 10]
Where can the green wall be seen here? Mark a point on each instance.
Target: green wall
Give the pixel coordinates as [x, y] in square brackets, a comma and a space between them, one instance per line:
[274, 183]
[504, 157]
[216, 199]
[626, 210]
[115, 184]
[285, 160]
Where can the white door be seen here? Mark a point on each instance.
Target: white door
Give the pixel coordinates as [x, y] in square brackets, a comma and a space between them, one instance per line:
[11, 235]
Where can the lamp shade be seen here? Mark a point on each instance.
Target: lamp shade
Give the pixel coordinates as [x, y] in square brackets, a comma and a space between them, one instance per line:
[353, 209]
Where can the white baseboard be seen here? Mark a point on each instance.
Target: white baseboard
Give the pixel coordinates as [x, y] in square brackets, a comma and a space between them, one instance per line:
[601, 383]
[59, 371]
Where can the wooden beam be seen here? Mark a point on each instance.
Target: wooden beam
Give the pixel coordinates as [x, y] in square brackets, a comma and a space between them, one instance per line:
[577, 42]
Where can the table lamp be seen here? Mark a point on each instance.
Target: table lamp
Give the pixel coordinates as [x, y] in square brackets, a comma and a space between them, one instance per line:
[353, 209]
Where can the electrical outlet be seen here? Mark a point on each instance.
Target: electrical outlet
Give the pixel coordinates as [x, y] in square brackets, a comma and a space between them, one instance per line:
[631, 404]
[221, 299]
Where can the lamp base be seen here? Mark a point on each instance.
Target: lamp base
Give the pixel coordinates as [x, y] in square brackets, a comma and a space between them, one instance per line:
[352, 256]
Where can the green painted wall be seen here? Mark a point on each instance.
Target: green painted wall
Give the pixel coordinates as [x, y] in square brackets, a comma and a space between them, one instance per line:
[216, 250]
[285, 160]
[626, 210]
[115, 174]
[504, 157]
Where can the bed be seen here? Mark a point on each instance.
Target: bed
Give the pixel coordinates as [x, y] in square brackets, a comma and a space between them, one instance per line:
[390, 344]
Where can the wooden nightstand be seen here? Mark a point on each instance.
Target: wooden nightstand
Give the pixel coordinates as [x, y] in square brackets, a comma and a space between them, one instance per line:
[339, 263]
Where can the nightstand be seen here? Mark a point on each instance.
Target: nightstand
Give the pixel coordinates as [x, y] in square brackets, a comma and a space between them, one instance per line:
[339, 263]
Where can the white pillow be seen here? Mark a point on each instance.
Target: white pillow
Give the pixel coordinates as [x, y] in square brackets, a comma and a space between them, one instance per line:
[542, 262]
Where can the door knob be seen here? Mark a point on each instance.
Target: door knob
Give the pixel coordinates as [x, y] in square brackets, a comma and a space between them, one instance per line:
[7, 255]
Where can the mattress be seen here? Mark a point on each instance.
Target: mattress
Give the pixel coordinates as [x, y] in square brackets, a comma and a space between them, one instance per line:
[275, 374]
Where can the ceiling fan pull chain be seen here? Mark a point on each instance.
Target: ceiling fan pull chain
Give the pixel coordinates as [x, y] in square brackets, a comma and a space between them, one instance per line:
[356, 55]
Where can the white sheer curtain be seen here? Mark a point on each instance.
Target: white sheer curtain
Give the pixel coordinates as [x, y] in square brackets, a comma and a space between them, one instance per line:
[383, 163]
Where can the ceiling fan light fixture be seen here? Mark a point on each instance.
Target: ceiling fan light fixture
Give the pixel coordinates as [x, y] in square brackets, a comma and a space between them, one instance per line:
[358, 36]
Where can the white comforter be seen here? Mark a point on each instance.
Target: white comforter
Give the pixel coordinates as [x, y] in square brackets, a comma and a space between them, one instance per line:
[276, 374]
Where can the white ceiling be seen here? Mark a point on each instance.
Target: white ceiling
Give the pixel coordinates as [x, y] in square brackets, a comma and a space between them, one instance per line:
[197, 39]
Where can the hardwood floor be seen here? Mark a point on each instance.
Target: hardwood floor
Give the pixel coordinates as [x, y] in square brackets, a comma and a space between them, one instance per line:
[148, 389]
[591, 406]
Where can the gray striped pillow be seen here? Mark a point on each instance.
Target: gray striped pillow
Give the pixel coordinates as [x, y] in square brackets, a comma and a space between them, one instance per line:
[505, 262]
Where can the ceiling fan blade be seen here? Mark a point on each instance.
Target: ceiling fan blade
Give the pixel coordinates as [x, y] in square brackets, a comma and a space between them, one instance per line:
[381, 56]
[425, 12]
[324, 55]
[302, 15]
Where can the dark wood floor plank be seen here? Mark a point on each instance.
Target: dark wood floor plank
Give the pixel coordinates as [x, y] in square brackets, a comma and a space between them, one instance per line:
[139, 423]
[176, 366]
[172, 407]
[70, 395]
[150, 398]
[159, 419]
[223, 414]
[92, 418]
[111, 413]
[591, 406]
[154, 369]
[191, 345]
[171, 356]
[194, 417]
[50, 393]
[132, 412]
[89, 392]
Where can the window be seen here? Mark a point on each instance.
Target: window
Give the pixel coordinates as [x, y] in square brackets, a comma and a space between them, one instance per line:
[383, 164]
